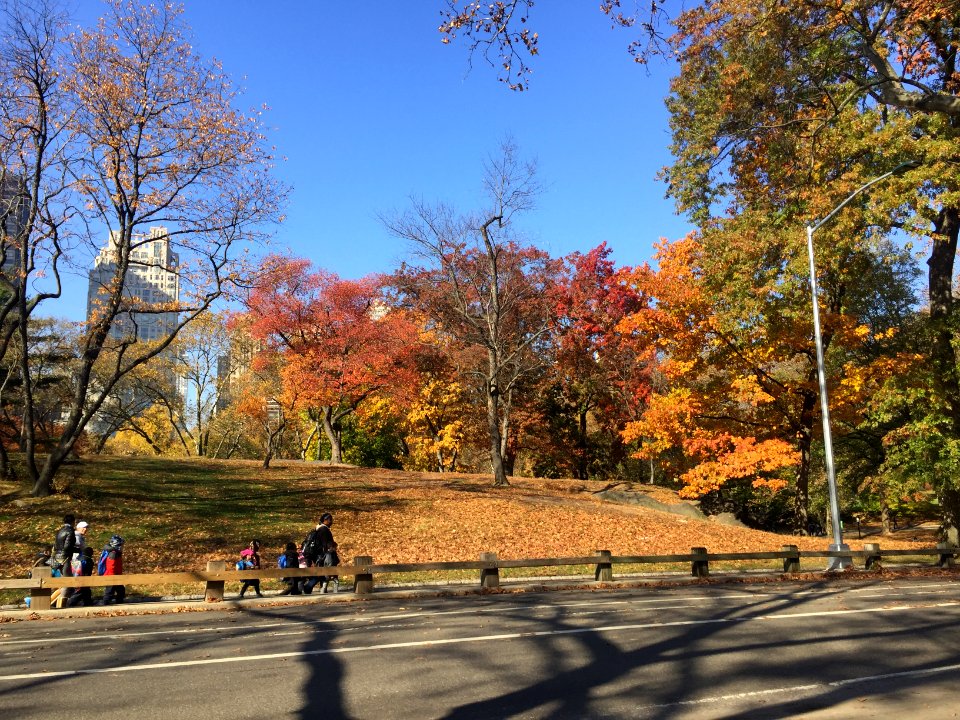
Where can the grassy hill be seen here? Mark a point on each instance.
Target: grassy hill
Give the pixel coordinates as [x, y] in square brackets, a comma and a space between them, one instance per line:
[178, 514]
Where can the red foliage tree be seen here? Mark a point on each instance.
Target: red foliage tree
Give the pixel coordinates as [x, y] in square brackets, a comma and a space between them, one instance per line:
[340, 343]
[598, 371]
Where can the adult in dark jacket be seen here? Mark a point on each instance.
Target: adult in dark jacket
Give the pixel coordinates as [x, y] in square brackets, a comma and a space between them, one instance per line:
[64, 546]
[325, 554]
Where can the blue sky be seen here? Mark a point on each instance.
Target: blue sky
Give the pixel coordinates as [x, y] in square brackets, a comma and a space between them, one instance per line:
[368, 107]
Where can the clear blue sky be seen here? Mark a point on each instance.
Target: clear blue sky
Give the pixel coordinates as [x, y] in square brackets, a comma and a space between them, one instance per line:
[368, 107]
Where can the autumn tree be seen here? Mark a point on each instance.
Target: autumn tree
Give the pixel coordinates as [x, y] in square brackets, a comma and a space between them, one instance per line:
[149, 390]
[435, 411]
[35, 156]
[200, 351]
[597, 373]
[130, 128]
[755, 96]
[731, 330]
[340, 343]
[479, 285]
[757, 104]
[261, 402]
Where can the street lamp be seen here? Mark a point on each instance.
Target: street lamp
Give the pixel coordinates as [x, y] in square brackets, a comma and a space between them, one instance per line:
[836, 563]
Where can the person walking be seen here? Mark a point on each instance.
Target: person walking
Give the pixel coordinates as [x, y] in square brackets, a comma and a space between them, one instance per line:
[64, 547]
[80, 535]
[111, 563]
[252, 556]
[290, 558]
[324, 554]
[83, 595]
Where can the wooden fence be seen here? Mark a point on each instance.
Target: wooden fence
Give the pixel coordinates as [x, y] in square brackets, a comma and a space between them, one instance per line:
[42, 586]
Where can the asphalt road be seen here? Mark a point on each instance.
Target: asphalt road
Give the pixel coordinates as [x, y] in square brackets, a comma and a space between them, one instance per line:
[878, 649]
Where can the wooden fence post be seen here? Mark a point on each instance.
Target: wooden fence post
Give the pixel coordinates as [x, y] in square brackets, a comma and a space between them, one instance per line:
[872, 560]
[700, 567]
[945, 558]
[604, 571]
[214, 589]
[791, 564]
[363, 582]
[489, 577]
[40, 597]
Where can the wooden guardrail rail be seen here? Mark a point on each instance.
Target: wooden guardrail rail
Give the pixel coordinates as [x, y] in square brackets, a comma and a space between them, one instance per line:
[41, 585]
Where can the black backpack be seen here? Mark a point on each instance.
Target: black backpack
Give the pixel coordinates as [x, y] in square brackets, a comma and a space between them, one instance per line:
[311, 548]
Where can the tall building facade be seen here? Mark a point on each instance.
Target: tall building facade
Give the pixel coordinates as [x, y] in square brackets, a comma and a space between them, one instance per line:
[151, 283]
[14, 210]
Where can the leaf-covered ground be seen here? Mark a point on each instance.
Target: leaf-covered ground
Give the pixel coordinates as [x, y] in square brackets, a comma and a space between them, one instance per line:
[177, 514]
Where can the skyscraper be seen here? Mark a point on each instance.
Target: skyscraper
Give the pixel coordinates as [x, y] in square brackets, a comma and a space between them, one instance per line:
[14, 208]
[151, 286]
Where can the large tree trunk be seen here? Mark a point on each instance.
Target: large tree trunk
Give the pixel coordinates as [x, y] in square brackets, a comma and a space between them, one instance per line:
[801, 503]
[942, 355]
[6, 469]
[493, 425]
[582, 459]
[949, 497]
[940, 288]
[885, 526]
[331, 428]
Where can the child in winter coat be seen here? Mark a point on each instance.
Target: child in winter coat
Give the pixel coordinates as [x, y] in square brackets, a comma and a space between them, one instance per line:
[289, 559]
[111, 563]
[250, 557]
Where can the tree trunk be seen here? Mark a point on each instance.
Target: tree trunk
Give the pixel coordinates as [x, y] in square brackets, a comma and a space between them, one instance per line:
[885, 526]
[331, 428]
[6, 469]
[582, 445]
[493, 425]
[305, 447]
[801, 503]
[507, 458]
[942, 355]
[949, 497]
[940, 288]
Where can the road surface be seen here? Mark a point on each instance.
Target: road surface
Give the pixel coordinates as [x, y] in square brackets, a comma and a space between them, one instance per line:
[840, 649]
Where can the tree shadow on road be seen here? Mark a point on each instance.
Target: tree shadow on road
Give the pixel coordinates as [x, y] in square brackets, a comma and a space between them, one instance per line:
[590, 673]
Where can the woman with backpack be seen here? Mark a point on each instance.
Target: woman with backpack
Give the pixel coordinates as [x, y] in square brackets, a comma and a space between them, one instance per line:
[323, 553]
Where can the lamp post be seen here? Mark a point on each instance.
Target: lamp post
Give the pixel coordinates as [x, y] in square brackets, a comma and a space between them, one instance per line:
[836, 563]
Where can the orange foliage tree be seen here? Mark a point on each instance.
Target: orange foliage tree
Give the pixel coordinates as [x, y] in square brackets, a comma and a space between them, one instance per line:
[736, 388]
[339, 341]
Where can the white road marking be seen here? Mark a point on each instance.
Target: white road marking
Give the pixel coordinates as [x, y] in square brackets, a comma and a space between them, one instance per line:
[500, 609]
[802, 688]
[361, 618]
[460, 640]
